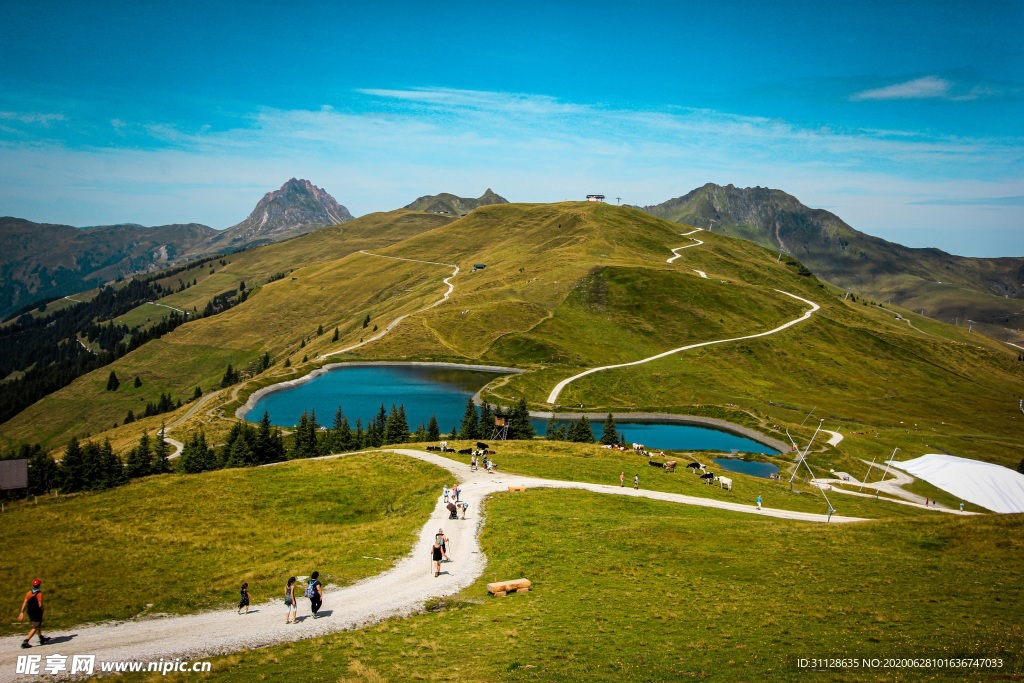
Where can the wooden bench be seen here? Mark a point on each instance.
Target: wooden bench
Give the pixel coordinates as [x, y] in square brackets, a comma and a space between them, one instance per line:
[516, 488]
[500, 589]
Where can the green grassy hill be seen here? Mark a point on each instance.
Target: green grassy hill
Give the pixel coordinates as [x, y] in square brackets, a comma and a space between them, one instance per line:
[568, 287]
[946, 287]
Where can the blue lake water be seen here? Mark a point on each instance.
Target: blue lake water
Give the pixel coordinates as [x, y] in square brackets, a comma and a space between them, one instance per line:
[674, 436]
[360, 391]
[751, 467]
[427, 390]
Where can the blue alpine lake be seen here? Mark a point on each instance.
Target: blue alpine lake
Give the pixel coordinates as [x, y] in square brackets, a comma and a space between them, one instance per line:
[673, 436]
[427, 390]
[751, 467]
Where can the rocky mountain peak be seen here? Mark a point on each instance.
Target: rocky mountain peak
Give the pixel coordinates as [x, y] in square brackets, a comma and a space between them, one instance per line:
[296, 208]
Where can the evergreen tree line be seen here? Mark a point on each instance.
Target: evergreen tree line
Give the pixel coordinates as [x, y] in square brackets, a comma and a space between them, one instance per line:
[92, 466]
[165, 404]
[580, 431]
[246, 446]
[480, 425]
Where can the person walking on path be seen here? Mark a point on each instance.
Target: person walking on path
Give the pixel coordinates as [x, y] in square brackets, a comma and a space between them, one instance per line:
[759, 502]
[441, 540]
[244, 600]
[33, 607]
[636, 482]
[622, 478]
[291, 607]
[435, 556]
[315, 593]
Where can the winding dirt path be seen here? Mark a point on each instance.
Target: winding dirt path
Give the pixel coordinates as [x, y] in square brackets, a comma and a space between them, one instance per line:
[391, 326]
[553, 396]
[399, 591]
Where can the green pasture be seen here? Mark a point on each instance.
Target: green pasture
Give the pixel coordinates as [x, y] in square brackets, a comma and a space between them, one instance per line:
[627, 590]
[185, 543]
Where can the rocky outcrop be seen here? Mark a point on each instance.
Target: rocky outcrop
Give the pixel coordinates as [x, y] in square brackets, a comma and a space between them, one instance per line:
[295, 209]
[452, 205]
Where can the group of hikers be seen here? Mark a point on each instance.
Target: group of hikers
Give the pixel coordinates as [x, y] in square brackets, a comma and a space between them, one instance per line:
[314, 591]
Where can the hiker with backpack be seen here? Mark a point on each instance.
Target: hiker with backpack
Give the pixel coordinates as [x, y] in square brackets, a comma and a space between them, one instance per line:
[291, 605]
[33, 606]
[442, 541]
[315, 593]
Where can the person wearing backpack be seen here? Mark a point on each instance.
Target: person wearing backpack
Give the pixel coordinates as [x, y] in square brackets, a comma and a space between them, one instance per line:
[33, 606]
[315, 593]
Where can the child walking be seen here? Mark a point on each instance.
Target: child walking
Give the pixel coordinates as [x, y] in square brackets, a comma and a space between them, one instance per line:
[291, 610]
[244, 601]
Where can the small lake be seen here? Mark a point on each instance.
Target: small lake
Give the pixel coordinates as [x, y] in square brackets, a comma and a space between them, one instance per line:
[751, 467]
[673, 436]
[361, 389]
[431, 390]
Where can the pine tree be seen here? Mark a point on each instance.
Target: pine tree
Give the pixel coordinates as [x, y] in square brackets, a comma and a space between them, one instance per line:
[376, 430]
[319, 330]
[287, 362]
[420, 435]
[580, 432]
[268, 445]
[486, 420]
[610, 437]
[161, 452]
[197, 393]
[392, 433]
[43, 473]
[433, 431]
[138, 381]
[519, 425]
[130, 417]
[336, 335]
[111, 467]
[555, 431]
[71, 472]
[470, 427]
[240, 453]
[265, 361]
[196, 456]
[359, 438]
[92, 476]
[112, 382]
[366, 321]
[140, 459]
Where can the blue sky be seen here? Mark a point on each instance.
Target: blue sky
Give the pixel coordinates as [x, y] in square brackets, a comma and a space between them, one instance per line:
[902, 118]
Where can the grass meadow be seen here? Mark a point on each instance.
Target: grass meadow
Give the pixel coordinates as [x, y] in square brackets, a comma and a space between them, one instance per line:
[627, 590]
[184, 543]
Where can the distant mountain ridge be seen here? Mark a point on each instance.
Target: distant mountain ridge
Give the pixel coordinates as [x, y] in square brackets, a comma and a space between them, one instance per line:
[452, 205]
[946, 287]
[296, 208]
[43, 260]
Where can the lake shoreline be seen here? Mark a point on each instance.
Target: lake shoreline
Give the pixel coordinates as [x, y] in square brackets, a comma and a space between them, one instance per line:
[254, 397]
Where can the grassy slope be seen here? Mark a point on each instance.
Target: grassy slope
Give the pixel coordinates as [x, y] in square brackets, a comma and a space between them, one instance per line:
[335, 288]
[576, 285]
[650, 591]
[184, 543]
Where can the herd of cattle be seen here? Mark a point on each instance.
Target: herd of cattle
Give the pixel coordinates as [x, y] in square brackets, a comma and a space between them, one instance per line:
[696, 467]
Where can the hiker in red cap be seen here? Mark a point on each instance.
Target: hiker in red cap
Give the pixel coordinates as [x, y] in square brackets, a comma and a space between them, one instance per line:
[33, 606]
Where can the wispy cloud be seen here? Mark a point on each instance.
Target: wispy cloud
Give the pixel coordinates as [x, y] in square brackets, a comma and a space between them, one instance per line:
[1017, 200]
[31, 117]
[382, 148]
[924, 88]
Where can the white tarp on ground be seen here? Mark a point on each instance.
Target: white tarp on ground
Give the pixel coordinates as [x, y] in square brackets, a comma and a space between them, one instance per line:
[993, 487]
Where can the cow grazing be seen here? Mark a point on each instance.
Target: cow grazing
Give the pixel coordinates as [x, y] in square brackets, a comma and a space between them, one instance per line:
[695, 466]
[708, 477]
[725, 482]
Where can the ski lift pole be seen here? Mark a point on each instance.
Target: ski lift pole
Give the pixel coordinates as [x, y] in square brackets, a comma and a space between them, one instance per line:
[803, 456]
[868, 474]
[887, 463]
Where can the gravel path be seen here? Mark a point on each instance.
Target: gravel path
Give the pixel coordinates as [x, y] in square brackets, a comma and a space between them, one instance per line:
[400, 591]
[553, 396]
